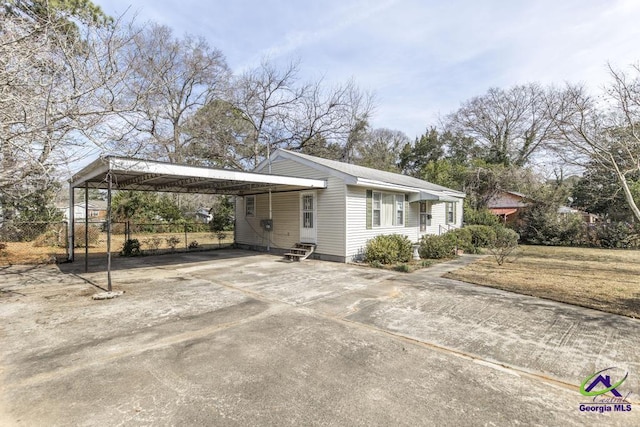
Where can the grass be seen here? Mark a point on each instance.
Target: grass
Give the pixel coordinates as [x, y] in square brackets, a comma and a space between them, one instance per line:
[603, 279]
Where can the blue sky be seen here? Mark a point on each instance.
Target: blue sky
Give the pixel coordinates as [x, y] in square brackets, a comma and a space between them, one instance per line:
[420, 58]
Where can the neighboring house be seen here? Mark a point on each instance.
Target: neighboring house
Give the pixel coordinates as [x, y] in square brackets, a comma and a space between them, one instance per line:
[587, 217]
[202, 215]
[97, 210]
[358, 204]
[507, 204]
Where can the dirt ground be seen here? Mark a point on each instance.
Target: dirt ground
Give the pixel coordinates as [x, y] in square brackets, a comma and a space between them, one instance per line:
[36, 253]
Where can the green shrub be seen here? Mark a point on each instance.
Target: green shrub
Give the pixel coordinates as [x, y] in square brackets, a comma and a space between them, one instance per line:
[461, 238]
[388, 249]
[131, 247]
[479, 217]
[436, 247]
[482, 236]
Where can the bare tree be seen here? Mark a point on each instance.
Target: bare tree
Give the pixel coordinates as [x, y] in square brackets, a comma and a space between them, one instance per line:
[268, 108]
[57, 81]
[510, 125]
[605, 130]
[171, 80]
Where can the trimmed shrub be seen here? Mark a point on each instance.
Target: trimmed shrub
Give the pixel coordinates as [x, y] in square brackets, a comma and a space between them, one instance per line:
[461, 238]
[436, 247]
[388, 249]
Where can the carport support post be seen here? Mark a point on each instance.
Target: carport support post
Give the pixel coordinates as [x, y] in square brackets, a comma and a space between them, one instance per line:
[109, 180]
[86, 227]
[71, 231]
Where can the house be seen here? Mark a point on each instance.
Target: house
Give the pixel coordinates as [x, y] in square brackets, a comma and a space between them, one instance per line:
[357, 204]
[97, 210]
[507, 204]
[589, 218]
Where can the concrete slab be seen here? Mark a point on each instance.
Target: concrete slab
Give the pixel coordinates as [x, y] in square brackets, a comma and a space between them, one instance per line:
[247, 339]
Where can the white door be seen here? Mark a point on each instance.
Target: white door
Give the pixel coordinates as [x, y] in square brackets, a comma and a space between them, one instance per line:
[308, 209]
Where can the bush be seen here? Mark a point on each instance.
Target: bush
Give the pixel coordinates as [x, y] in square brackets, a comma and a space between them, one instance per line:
[482, 236]
[614, 235]
[93, 234]
[506, 242]
[172, 242]
[480, 217]
[388, 249]
[436, 247]
[131, 247]
[56, 236]
[461, 238]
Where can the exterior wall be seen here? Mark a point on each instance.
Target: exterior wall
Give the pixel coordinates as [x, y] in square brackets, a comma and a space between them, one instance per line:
[358, 234]
[330, 205]
[285, 221]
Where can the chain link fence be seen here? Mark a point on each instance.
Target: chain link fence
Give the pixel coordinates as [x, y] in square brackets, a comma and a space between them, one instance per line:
[33, 242]
[47, 242]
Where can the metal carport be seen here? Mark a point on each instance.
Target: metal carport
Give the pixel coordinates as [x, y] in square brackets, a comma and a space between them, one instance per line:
[124, 173]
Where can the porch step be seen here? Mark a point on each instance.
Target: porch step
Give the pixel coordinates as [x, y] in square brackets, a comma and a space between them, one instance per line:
[300, 251]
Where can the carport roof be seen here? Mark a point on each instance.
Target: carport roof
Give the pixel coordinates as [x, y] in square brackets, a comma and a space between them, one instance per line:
[146, 175]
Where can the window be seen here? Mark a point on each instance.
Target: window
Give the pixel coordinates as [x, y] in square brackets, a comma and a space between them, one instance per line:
[377, 209]
[399, 209]
[250, 206]
[425, 216]
[451, 213]
[387, 209]
[307, 211]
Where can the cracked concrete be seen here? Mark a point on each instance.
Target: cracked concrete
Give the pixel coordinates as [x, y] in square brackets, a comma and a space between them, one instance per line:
[237, 338]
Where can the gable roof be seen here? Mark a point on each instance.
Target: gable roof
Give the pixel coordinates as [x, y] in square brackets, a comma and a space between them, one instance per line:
[360, 175]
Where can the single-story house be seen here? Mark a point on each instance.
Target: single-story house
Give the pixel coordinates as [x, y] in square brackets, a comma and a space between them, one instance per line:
[357, 204]
[507, 204]
[97, 210]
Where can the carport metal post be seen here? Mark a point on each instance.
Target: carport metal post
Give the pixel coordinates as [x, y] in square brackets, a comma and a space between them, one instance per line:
[86, 227]
[109, 180]
[71, 230]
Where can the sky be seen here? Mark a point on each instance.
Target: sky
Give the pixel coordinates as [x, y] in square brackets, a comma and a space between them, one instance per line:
[420, 58]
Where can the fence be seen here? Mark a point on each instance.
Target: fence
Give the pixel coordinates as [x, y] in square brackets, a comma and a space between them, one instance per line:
[47, 242]
[33, 242]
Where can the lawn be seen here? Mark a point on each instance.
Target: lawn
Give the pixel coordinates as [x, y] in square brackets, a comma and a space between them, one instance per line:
[604, 279]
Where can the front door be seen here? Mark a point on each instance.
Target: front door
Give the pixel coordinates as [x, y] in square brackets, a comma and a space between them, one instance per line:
[308, 209]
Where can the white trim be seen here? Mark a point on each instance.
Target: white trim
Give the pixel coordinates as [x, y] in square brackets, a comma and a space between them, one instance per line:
[303, 237]
[161, 169]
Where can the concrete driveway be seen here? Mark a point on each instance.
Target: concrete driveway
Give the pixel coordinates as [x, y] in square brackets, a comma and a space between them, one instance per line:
[239, 338]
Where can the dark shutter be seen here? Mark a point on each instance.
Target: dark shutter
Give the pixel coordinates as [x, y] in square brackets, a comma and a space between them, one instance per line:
[369, 208]
[406, 210]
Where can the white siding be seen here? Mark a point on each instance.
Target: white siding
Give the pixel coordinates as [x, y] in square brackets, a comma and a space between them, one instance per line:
[285, 221]
[286, 213]
[358, 233]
